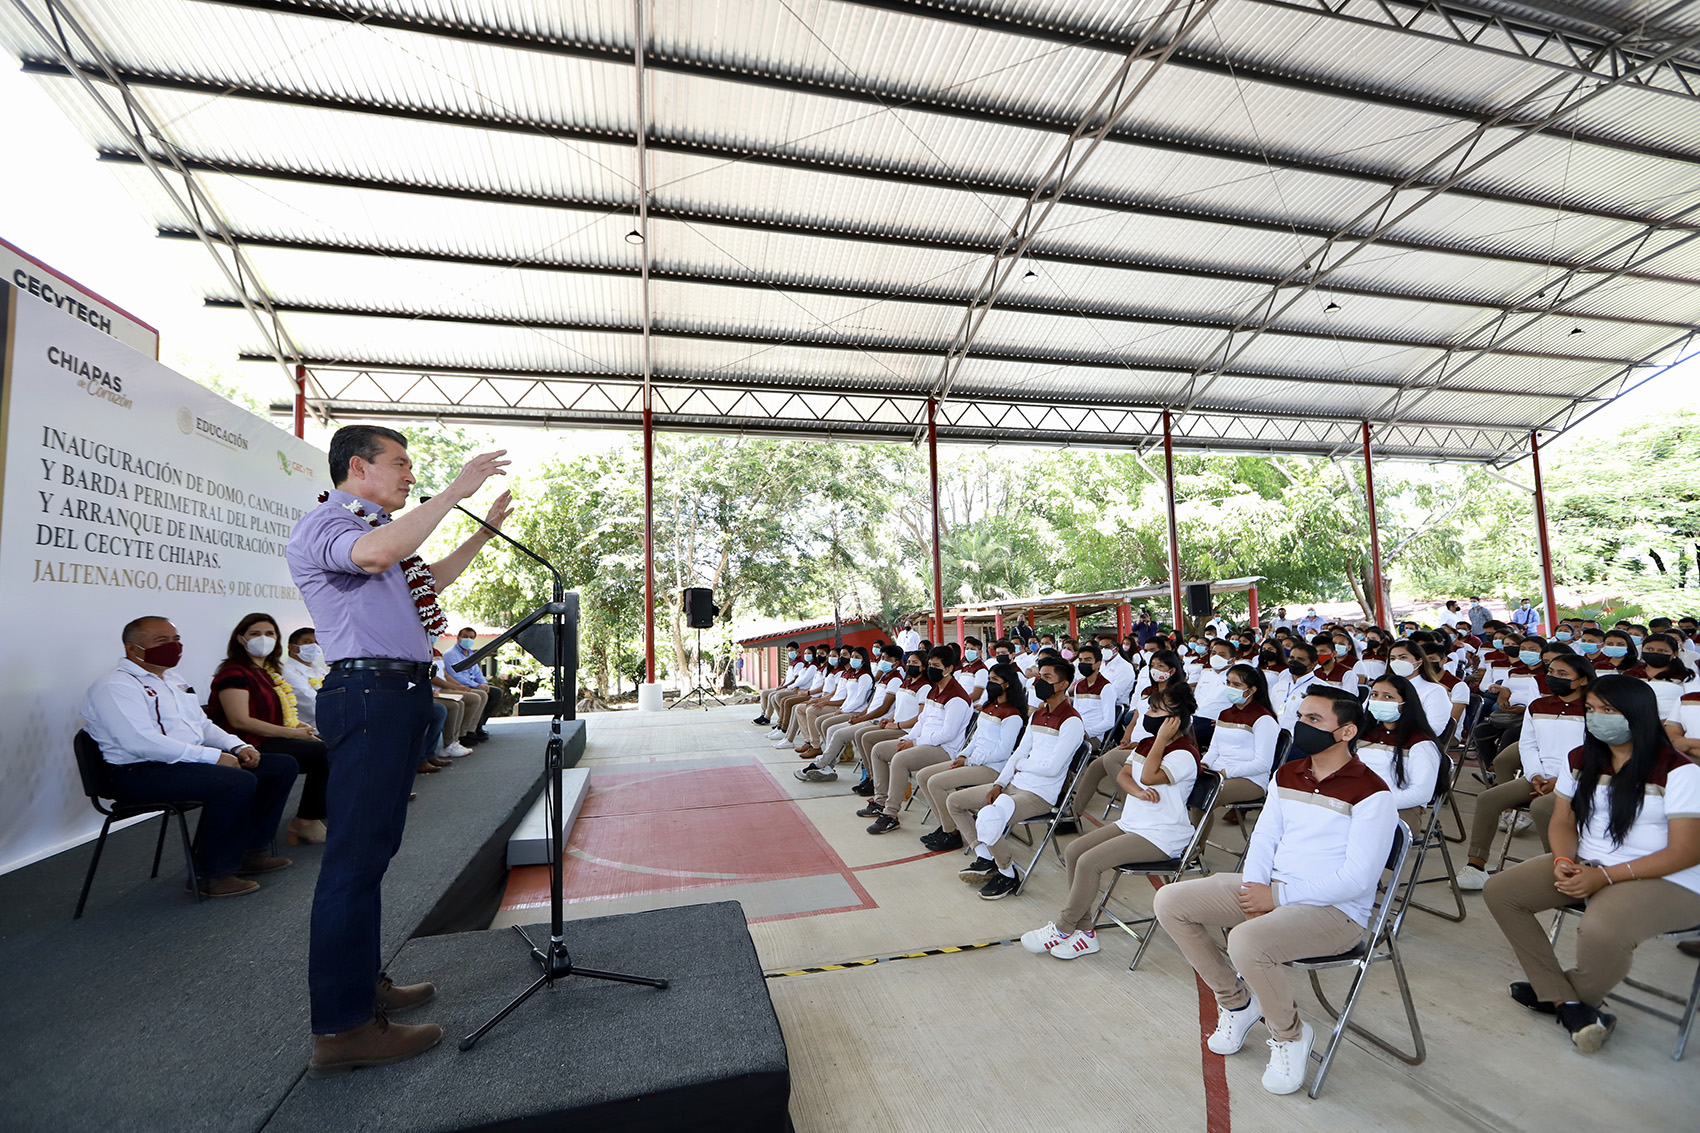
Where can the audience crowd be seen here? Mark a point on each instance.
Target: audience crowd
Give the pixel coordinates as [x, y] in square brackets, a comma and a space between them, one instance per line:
[1325, 737]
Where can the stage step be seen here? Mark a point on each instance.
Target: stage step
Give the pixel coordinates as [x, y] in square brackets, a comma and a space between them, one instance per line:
[528, 845]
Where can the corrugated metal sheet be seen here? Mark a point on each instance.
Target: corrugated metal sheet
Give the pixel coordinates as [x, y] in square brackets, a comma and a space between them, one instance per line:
[829, 180]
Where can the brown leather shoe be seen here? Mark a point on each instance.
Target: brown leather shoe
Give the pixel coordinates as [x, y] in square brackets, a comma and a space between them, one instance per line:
[427, 768]
[231, 886]
[394, 998]
[439, 761]
[1689, 948]
[377, 1042]
[262, 863]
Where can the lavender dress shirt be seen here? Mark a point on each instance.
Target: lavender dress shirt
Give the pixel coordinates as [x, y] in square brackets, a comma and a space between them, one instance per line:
[355, 614]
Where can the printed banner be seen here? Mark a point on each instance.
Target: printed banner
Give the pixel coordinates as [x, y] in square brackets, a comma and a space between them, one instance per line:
[125, 490]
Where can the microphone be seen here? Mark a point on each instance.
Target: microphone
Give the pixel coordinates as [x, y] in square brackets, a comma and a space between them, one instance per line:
[515, 543]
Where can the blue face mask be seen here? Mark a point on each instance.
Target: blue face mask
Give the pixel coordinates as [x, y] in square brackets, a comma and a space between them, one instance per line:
[1608, 728]
[1563, 635]
[1587, 648]
[1237, 696]
[855, 662]
[1529, 657]
[885, 666]
[1032, 647]
[1615, 651]
[1386, 711]
[971, 654]
[791, 655]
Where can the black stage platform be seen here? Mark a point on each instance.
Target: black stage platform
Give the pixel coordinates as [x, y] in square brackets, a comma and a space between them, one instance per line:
[155, 1013]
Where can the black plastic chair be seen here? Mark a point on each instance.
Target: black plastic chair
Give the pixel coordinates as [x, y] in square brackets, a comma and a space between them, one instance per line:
[92, 768]
[1202, 797]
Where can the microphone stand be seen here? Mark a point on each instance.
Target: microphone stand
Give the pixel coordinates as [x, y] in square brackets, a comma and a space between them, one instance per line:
[561, 613]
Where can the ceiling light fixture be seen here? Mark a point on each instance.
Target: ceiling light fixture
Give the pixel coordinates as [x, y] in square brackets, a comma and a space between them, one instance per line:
[634, 237]
[1331, 308]
[1031, 274]
[1575, 330]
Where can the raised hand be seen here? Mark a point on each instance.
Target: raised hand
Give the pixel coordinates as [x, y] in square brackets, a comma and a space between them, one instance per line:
[477, 470]
[500, 510]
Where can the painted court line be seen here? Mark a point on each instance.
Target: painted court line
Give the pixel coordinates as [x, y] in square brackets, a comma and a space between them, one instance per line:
[847, 965]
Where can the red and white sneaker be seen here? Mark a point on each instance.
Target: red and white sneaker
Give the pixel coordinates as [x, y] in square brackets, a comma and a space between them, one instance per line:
[1042, 940]
[1082, 943]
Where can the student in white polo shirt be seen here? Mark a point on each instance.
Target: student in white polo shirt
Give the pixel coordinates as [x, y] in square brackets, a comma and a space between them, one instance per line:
[938, 735]
[1398, 745]
[1000, 724]
[1625, 839]
[973, 673]
[793, 670]
[1030, 783]
[1309, 885]
[1288, 690]
[1093, 696]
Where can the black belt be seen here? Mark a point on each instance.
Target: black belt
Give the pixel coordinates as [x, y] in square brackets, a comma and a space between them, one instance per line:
[421, 669]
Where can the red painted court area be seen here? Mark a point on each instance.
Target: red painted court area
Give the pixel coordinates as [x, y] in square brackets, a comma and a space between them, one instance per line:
[676, 829]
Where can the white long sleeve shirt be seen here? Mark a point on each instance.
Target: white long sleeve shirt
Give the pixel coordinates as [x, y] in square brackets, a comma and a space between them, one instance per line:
[1437, 702]
[137, 717]
[1040, 763]
[1122, 675]
[301, 678]
[1422, 765]
[858, 688]
[794, 674]
[994, 737]
[1552, 729]
[943, 722]
[1094, 698]
[1287, 692]
[1324, 842]
[1243, 746]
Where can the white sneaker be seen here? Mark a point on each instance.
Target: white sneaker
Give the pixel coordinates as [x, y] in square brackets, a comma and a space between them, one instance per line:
[456, 750]
[1042, 940]
[1473, 878]
[1080, 944]
[1520, 817]
[1233, 1026]
[780, 742]
[775, 734]
[1289, 1063]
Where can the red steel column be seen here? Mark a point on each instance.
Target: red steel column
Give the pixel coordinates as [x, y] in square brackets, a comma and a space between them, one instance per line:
[1073, 623]
[1380, 604]
[1251, 596]
[997, 623]
[1174, 528]
[1551, 616]
[961, 632]
[300, 400]
[649, 541]
[938, 557]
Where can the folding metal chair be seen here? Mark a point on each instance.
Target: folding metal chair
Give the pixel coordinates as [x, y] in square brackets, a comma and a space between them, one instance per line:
[1434, 837]
[1051, 818]
[1685, 1021]
[1202, 797]
[1380, 942]
[1251, 807]
[91, 767]
[1451, 795]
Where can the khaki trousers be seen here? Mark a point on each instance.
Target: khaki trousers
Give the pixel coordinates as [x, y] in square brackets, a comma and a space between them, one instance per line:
[865, 742]
[475, 700]
[1619, 917]
[1089, 857]
[938, 781]
[840, 736]
[1100, 769]
[964, 807]
[891, 770]
[818, 722]
[457, 710]
[1191, 912]
[785, 702]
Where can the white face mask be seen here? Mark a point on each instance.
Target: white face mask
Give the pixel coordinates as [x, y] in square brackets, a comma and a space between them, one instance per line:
[1401, 667]
[261, 646]
[1218, 662]
[312, 654]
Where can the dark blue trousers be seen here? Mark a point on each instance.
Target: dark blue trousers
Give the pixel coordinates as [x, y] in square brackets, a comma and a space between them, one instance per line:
[373, 722]
[240, 809]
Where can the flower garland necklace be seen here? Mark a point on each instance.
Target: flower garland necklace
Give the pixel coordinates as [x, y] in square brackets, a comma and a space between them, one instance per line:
[421, 584]
[285, 699]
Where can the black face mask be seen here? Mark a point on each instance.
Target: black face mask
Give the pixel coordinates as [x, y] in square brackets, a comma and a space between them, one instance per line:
[1084, 668]
[934, 674]
[1560, 686]
[1269, 658]
[993, 690]
[1044, 689]
[1297, 667]
[1311, 740]
[1651, 660]
[912, 670]
[1153, 723]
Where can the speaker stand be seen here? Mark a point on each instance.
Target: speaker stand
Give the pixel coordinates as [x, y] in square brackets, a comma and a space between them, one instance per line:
[700, 695]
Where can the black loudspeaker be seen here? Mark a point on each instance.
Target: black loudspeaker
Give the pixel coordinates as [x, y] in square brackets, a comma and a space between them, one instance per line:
[1198, 599]
[699, 607]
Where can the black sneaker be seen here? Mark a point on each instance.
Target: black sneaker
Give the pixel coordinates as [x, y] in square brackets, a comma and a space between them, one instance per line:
[950, 841]
[761, 720]
[981, 869]
[1589, 1027]
[872, 810]
[932, 835]
[1000, 887]
[1524, 993]
[884, 824]
[865, 788]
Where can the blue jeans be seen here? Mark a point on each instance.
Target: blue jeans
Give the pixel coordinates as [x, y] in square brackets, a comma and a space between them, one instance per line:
[373, 722]
[240, 809]
[433, 731]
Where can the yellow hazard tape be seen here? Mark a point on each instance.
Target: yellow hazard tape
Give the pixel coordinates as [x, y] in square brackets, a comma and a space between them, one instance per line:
[848, 964]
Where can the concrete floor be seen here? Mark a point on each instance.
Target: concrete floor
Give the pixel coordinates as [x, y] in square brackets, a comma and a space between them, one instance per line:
[691, 806]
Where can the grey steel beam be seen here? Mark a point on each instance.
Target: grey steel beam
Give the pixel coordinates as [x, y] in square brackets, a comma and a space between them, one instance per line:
[1110, 356]
[826, 229]
[755, 155]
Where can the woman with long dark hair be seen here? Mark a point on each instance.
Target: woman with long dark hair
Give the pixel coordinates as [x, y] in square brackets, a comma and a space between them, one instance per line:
[1625, 839]
[1242, 749]
[1399, 745]
[1662, 668]
[1000, 722]
[251, 698]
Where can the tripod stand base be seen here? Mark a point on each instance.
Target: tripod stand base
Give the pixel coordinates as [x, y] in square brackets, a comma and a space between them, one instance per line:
[557, 964]
[700, 695]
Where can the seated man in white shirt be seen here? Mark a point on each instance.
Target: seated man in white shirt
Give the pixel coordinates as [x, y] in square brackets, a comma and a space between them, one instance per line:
[304, 669]
[159, 746]
[1316, 856]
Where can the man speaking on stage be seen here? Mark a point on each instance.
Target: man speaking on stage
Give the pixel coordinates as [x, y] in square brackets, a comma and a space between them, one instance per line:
[374, 606]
